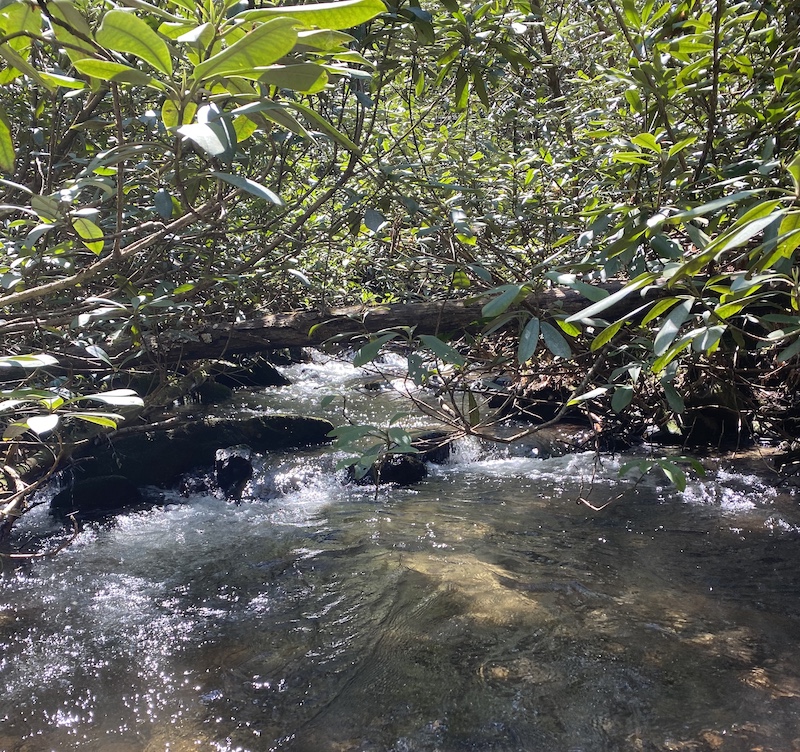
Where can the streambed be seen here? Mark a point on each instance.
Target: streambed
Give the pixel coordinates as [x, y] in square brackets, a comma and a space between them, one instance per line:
[482, 609]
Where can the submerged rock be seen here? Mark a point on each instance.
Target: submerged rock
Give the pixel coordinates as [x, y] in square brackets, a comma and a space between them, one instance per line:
[253, 372]
[160, 457]
[90, 498]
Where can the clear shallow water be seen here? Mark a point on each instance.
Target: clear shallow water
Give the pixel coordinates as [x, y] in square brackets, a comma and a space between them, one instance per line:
[484, 609]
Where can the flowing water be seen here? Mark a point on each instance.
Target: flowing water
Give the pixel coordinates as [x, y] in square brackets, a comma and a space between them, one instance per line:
[483, 609]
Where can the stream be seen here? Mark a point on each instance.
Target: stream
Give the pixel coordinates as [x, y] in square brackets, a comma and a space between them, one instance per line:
[484, 608]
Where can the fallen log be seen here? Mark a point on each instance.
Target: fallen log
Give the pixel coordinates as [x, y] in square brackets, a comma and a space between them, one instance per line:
[312, 328]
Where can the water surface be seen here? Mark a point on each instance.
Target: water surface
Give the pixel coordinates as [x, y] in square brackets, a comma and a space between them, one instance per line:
[485, 608]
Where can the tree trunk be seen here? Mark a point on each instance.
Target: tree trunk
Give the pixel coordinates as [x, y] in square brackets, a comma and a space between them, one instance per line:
[312, 328]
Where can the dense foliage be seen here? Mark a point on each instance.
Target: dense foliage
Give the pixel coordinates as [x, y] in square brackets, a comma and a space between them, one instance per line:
[174, 162]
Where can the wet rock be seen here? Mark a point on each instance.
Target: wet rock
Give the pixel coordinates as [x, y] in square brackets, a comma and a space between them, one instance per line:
[232, 471]
[434, 446]
[94, 497]
[160, 457]
[400, 469]
[255, 372]
[212, 392]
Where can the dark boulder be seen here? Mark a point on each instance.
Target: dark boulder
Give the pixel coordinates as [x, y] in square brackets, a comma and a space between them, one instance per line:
[434, 446]
[90, 498]
[400, 469]
[212, 393]
[160, 457]
[254, 372]
[232, 470]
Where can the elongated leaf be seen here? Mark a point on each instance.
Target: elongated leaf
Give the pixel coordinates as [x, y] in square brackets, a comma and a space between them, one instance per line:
[6, 145]
[108, 420]
[123, 31]
[496, 306]
[674, 473]
[606, 336]
[370, 351]
[89, 233]
[66, 20]
[212, 138]
[307, 78]
[117, 398]
[555, 341]
[623, 396]
[442, 350]
[647, 141]
[591, 394]
[712, 206]
[32, 361]
[261, 47]
[790, 231]
[251, 186]
[336, 15]
[669, 329]
[40, 424]
[528, 341]
[673, 398]
[789, 352]
[324, 126]
[105, 70]
[708, 338]
[596, 308]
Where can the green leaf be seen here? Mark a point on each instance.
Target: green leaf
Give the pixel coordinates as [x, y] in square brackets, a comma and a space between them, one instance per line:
[647, 141]
[108, 420]
[712, 206]
[596, 308]
[66, 19]
[793, 168]
[337, 15]
[591, 394]
[6, 144]
[374, 221]
[606, 335]
[707, 338]
[528, 341]
[253, 188]
[40, 424]
[307, 78]
[669, 329]
[162, 202]
[262, 46]
[212, 138]
[32, 361]
[123, 31]
[105, 70]
[674, 473]
[117, 398]
[673, 398]
[658, 308]
[790, 232]
[789, 352]
[569, 328]
[555, 341]
[324, 126]
[345, 435]
[497, 305]
[89, 233]
[370, 351]
[442, 350]
[623, 396]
